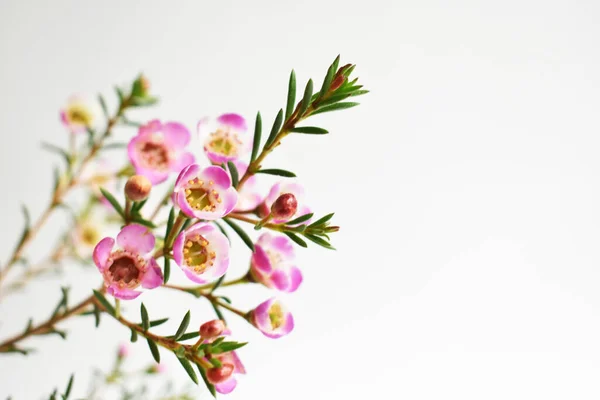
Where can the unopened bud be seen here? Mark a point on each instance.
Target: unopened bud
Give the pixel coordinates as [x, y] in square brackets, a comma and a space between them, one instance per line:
[138, 188]
[219, 374]
[141, 87]
[156, 369]
[123, 351]
[212, 329]
[284, 207]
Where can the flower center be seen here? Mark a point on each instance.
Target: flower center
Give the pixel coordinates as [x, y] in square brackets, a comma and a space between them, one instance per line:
[125, 269]
[276, 316]
[154, 154]
[274, 258]
[90, 235]
[197, 254]
[224, 142]
[79, 115]
[201, 196]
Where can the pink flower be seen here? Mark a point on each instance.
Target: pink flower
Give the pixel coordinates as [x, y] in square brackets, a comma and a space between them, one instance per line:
[225, 137]
[131, 265]
[249, 196]
[272, 319]
[204, 193]
[202, 252]
[123, 351]
[273, 263]
[158, 149]
[80, 112]
[230, 383]
[282, 188]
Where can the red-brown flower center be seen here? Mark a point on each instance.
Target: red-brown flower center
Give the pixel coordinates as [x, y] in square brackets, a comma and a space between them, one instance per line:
[124, 269]
[155, 155]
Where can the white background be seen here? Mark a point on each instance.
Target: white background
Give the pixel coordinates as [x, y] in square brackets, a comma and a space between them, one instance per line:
[465, 184]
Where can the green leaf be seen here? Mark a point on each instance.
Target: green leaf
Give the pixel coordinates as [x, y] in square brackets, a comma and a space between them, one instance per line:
[217, 311]
[134, 336]
[296, 239]
[321, 221]
[143, 101]
[142, 221]
[68, 389]
[188, 336]
[167, 270]
[57, 150]
[311, 130]
[327, 81]
[154, 350]
[223, 231]
[276, 171]
[215, 362]
[241, 233]
[234, 174]
[137, 206]
[189, 369]
[319, 241]
[291, 97]
[113, 202]
[170, 222]
[275, 129]
[225, 347]
[120, 94]
[145, 319]
[209, 386]
[301, 219]
[96, 316]
[107, 306]
[308, 91]
[257, 135]
[217, 283]
[103, 105]
[182, 326]
[335, 107]
[336, 63]
[114, 146]
[227, 299]
[154, 323]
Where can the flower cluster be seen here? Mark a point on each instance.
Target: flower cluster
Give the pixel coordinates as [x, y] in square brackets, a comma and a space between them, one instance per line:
[211, 181]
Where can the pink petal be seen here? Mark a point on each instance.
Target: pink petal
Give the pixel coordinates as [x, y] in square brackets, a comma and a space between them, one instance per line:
[260, 260]
[280, 280]
[217, 158]
[230, 197]
[176, 135]
[185, 207]
[149, 127]
[235, 121]
[295, 279]
[237, 363]
[218, 175]
[178, 248]
[102, 252]
[227, 386]
[153, 277]
[122, 293]
[183, 161]
[186, 174]
[136, 239]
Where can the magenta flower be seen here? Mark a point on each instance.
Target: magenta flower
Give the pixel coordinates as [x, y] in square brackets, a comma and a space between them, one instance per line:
[249, 196]
[131, 265]
[202, 252]
[225, 137]
[273, 263]
[281, 188]
[230, 383]
[272, 319]
[204, 193]
[159, 149]
[80, 113]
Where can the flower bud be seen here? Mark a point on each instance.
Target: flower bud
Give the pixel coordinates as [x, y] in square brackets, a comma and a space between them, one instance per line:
[219, 374]
[138, 188]
[123, 351]
[141, 87]
[212, 329]
[284, 207]
[156, 369]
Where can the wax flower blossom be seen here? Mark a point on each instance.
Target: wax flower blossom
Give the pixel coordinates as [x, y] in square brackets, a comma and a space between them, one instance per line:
[202, 252]
[129, 266]
[225, 380]
[272, 319]
[249, 196]
[204, 193]
[273, 265]
[282, 188]
[225, 138]
[159, 149]
[85, 235]
[80, 113]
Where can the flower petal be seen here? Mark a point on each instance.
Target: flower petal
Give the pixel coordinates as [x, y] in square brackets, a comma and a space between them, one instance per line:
[136, 239]
[218, 175]
[227, 386]
[280, 280]
[122, 293]
[102, 252]
[295, 279]
[183, 161]
[153, 277]
[186, 174]
[176, 135]
[235, 121]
